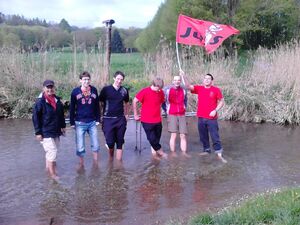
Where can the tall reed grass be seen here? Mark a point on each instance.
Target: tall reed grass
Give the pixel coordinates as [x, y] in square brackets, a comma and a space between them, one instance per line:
[258, 86]
[262, 86]
[22, 75]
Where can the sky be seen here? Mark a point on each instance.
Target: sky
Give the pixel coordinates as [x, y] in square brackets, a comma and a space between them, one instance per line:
[85, 13]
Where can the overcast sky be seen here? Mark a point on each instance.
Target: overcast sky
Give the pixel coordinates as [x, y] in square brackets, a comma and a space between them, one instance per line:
[85, 13]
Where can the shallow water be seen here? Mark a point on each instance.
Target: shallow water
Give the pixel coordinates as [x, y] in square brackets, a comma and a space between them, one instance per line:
[141, 190]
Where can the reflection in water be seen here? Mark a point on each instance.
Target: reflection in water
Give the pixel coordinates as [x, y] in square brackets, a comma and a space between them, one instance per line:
[100, 197]
[53, 204]
[260, 157]
[150, 188]
[114, 191]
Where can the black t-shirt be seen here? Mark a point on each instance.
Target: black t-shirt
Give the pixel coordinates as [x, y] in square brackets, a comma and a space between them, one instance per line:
[113, 100]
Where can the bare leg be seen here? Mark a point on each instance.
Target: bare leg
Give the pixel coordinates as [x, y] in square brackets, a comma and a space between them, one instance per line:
[111, 153]
[47, 165]
[173, 141]
[183, 144]
[81, 164]
[95, 157]
[153, 152]
[52, 170]
[119, 154]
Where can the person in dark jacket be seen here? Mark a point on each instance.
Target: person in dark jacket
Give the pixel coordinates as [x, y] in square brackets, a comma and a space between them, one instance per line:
[85, 117]
[49, 124]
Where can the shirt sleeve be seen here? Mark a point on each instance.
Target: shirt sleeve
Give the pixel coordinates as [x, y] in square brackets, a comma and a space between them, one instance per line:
[196, 89]
[126, 99]
[72, 108]
[140, 96]
[97, 107]
[101, 95]
[219, 94]
[37, 117]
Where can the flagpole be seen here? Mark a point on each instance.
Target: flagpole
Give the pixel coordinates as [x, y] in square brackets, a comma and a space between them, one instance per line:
[177, 53]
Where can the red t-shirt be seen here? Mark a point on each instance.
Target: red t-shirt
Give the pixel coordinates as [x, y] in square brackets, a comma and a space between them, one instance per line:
[151, 104]
[207, 100]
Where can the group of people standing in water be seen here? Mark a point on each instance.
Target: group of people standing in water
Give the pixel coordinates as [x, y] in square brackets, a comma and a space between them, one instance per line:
[110, 108]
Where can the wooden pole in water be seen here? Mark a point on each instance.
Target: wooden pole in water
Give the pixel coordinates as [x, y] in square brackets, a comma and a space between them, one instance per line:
[108, 24]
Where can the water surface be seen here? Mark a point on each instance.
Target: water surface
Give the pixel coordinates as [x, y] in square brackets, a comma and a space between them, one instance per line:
[141, 190]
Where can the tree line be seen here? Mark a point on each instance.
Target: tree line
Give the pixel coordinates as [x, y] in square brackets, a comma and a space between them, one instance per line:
[265, 23]
[37, 35]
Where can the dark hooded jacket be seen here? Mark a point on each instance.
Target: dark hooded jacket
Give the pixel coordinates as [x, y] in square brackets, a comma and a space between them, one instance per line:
[47, 121]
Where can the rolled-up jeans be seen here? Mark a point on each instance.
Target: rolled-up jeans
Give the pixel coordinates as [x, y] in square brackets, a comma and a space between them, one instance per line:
[81, 129]
[210, 127]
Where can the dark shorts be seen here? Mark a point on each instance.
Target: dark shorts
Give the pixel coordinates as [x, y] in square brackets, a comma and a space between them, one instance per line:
[114, 131]
[153, 133]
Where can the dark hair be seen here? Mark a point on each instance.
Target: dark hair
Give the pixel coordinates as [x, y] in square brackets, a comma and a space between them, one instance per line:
[208, 74]
[84, 74]
[158, 82]
[119, 73]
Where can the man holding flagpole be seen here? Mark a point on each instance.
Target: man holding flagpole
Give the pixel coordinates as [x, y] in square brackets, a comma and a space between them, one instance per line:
[209, 35]
[210, 101]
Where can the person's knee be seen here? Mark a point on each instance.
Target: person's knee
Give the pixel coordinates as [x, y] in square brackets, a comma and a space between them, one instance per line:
[120, 144]
[182, 136]
[155, 146]
[111, 145]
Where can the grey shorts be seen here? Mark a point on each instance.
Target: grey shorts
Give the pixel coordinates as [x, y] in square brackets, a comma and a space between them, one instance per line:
[177, 124]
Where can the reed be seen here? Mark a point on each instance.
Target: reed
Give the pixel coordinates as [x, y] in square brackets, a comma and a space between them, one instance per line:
[260, 86]
[263, 86]
[22, 75]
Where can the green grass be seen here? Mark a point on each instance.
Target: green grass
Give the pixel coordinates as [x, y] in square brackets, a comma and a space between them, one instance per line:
[276, 208]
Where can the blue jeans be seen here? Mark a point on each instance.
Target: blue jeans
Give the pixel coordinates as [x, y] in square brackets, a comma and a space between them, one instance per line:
[206, 127]
[81, 129]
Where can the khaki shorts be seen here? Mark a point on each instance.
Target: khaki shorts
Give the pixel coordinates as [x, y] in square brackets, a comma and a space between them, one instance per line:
[50, 146]
[177, 124]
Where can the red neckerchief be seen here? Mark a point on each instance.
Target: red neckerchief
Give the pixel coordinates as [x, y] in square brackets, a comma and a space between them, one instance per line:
[86, 91]
[51, 100]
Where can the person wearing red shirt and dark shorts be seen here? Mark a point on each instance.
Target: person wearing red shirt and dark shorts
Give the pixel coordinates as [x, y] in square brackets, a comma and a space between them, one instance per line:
[210, 101]
[151, 99]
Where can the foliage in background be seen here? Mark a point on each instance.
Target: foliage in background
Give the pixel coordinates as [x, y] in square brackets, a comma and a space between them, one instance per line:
[262, 23]
[116, 42]
[259, 86]
[22, 75]
[35, 35]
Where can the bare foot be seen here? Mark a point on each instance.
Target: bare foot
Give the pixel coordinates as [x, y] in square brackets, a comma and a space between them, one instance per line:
[161, 154]
[55, 177]
[186, 155]
[203, 153]
[80, 168]
[173, 154]
[220, 157]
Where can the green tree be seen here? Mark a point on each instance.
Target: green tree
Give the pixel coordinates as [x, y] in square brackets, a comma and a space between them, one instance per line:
[262, 23]
[116, 42]
[64, 25]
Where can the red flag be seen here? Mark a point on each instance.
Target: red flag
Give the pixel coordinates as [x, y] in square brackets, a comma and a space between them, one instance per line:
[204, 33]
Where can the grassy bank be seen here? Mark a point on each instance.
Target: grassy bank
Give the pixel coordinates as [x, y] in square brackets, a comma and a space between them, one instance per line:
[258, 86]
[276, 208]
